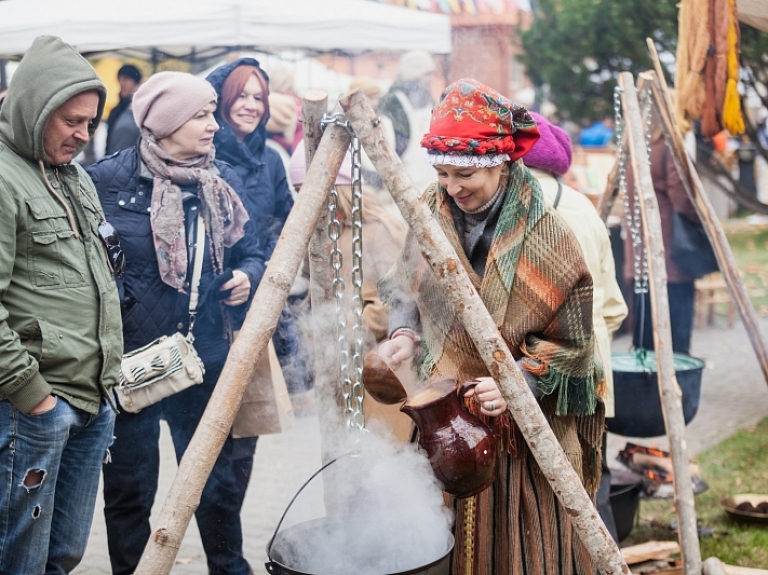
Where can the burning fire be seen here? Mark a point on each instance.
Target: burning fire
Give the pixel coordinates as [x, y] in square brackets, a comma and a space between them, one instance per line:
[654, 464]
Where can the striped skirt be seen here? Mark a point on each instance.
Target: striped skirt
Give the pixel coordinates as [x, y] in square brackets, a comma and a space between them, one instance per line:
[517, 526]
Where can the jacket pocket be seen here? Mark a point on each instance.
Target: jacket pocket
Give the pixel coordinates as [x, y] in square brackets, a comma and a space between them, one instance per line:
[49, 342]
[55, 256]
[133, 215]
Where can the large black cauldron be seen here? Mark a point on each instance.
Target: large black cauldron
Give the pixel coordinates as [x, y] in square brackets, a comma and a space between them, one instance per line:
[355, 545]
[636, 392]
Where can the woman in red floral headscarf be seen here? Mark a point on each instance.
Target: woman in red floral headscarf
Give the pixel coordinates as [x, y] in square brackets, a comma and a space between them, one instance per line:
[529, 271]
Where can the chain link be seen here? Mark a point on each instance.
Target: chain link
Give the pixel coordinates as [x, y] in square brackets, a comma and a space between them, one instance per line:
[358, 391]
[648, 101]
[632, 214]
[352, 389]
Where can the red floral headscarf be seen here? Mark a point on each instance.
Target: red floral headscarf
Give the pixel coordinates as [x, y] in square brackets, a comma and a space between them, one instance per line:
[473, 119]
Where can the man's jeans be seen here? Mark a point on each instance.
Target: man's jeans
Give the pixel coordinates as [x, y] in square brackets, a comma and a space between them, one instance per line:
[50, 464]
[130, 483]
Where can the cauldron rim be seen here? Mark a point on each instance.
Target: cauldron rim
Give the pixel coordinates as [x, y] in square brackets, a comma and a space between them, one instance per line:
[283, 569]
[620, 362]
[638, 411]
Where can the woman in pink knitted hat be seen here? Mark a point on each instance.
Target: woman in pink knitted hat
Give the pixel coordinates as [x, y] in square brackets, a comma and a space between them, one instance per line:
[529, 271]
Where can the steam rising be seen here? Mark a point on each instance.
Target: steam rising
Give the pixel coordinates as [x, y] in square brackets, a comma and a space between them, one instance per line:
[393, 519]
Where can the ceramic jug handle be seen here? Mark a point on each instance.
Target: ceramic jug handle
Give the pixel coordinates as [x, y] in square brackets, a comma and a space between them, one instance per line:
[465, 387]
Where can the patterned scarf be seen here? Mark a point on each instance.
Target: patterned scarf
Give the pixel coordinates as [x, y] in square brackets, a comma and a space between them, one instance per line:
[536, 287]
[223, 211]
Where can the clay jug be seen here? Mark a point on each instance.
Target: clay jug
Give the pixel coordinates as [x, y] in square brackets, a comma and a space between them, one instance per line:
[460, 447]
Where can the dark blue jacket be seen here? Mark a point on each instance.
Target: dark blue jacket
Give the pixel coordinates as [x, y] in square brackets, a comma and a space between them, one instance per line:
[266, 193]
[151, 308]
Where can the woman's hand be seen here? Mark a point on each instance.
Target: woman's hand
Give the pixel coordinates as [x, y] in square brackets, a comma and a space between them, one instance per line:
[487, 393]
[395, 351]
[240, 286]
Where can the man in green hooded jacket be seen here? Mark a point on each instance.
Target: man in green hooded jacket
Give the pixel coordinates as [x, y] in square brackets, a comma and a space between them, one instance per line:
[60, 325]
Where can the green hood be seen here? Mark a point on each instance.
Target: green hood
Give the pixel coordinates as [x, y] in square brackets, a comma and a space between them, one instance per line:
[50, 73]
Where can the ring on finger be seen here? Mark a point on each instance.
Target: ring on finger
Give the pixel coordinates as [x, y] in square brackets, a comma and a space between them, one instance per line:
[491, 406]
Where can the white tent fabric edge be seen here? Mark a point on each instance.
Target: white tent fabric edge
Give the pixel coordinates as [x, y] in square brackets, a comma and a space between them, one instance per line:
[176, 29]
[754, 13]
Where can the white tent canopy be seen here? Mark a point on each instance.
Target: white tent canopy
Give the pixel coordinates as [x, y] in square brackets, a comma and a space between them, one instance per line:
[181, 27]
[754, 13]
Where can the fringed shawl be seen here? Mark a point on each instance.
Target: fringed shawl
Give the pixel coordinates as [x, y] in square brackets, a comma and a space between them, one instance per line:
[539, 293]
[536, 287]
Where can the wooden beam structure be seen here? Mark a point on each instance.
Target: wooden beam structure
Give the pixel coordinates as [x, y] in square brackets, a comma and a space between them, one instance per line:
[692, 183]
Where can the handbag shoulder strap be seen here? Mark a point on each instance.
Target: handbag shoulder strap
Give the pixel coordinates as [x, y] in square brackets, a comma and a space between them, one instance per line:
[559, 193]
[197, 268]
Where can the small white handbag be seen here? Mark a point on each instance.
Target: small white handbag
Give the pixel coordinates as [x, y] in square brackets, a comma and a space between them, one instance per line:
[170, 363]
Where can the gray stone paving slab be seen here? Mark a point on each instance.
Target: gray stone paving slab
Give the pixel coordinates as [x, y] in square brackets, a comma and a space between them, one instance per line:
[283, 463]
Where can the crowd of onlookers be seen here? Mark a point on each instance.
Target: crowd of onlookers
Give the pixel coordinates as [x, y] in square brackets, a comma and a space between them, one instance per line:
[170, 231]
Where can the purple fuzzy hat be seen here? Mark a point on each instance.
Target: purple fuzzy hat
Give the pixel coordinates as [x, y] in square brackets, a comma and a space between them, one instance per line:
[552, 152]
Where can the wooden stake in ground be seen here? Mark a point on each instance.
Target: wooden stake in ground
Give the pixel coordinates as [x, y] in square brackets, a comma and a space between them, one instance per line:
[671, 399]
[706, 212]
[206, 443]
[459, 289]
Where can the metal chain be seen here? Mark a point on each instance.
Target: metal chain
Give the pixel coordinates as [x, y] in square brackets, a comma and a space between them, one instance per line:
[358, 391]
[352, 389]
[648, 122]
[631, 213]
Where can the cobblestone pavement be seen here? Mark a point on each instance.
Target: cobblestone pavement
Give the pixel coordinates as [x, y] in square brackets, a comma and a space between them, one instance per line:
[734, 395]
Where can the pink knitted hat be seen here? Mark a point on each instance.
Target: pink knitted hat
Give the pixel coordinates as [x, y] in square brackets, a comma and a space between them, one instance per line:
[552, 152]
[165, 102]
[298, 167]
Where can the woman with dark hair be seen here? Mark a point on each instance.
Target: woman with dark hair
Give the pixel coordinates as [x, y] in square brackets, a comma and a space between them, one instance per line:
[152, 194]
[529, 271]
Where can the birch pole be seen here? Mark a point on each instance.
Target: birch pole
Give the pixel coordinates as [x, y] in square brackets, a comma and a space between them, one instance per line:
[459, 290]
[324, 325]
[706, 212]
[213, 429]
[671, 397]
[326, 362]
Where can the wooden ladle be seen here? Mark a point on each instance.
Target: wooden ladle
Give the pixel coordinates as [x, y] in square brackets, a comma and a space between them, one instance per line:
[380, 381]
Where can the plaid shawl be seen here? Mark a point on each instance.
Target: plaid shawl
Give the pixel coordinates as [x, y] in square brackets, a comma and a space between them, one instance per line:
[536, 287]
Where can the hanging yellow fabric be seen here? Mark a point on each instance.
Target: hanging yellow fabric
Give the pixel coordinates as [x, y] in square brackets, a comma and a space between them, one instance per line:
[692, 46]
[733, 121]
